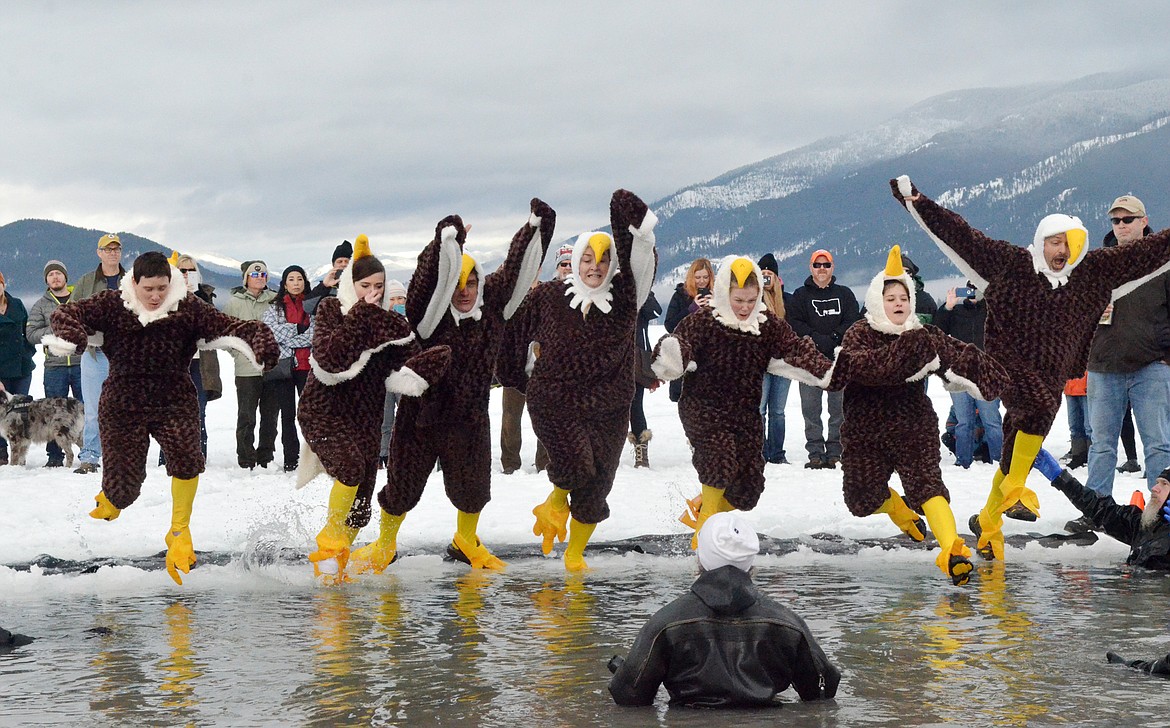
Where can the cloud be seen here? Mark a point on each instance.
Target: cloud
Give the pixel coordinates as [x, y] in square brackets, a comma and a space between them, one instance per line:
[284, 127]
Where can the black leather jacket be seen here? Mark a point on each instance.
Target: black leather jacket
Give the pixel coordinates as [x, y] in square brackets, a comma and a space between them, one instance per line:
[723, 644]
[1148, 548]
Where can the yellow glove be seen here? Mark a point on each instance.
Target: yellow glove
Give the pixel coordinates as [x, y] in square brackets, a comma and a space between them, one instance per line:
[105, 510]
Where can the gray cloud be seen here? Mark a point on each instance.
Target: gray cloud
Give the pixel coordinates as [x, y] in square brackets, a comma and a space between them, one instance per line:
[279, 128]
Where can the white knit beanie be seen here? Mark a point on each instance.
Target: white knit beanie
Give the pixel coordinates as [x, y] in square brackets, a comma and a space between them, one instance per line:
[727, 539]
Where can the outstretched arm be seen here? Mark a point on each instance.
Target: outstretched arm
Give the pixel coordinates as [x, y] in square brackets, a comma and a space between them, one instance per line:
[633, 234]
[504, 290]
[977, 256]
[436, 276]
[1128, 266]
[1120, 522]
[796, 357]
[78, 324]
[965, 368]
[867, 359]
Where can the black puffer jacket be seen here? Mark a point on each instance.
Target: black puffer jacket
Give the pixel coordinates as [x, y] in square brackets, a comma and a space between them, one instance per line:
[1148, 548]
[723, 644]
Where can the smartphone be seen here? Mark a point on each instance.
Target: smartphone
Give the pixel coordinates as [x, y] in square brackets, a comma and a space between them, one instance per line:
[964, 292]
[704, 292]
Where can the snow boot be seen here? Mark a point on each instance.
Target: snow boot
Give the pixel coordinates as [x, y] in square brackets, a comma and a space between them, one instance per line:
[1078, 456]
[641, 459]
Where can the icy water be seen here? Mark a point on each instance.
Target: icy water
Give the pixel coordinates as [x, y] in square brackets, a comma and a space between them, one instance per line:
[434, 644]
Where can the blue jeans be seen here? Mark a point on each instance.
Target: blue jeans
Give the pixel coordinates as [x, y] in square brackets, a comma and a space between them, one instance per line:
[58, 382]
[14, 386]
[1148, 391]
[1078, 416]
[966, 418]
[772, 408]
[95, 367]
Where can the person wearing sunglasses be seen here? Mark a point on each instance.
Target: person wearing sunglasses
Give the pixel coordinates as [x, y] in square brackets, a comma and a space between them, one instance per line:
[1127, 362]
[824, 310]
[248, 302]
[1043, 303]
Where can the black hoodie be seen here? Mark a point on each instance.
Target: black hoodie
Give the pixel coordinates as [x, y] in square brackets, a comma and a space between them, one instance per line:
[825, 314]
[723, 644]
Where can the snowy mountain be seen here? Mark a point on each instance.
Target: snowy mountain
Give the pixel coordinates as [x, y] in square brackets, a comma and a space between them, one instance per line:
[1003, 158]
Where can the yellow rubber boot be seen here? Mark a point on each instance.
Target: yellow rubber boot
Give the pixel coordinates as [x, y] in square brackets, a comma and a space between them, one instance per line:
[551, 519]
[712, 503]
[105, 510]
[579, 534]
[955, 558]
[988, 524]
[335, 538]
[180, 552]
[1019, 502]
[382, 551]
[466, 546]
[909, 522]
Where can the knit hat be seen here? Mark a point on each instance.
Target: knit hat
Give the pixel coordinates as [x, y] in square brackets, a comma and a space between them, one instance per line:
[253, 266]
[726, 539]
[768, 262]
[395, 288]
[55, 265]
[565, 254]
[1164, 475]
[345, 250]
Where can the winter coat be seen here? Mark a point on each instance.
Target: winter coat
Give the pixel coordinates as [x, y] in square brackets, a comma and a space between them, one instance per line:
[246, 307]
[650, 310]
[965, 321]
[293, 333]
[1148, 548]
[94, 282]
[16, 353]
[1138, 333]
[681, 305]
[825, 314]
[38, 328]
[208, 358]
[723, 644]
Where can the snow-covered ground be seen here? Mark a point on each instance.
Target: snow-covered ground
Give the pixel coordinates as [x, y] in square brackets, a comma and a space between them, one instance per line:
[45, 511]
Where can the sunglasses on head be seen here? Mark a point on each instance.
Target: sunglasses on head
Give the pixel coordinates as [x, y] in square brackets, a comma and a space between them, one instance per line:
[822, 265]
[1127, 219]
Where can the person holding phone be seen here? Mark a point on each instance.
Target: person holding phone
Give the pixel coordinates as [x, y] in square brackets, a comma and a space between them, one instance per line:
[689, 296]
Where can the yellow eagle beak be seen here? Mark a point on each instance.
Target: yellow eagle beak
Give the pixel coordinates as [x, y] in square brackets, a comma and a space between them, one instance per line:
[361, 247]
[1076, 243]
[600, 243]
[465, 271]
[741, 268]
[174, 259]
[894, 267]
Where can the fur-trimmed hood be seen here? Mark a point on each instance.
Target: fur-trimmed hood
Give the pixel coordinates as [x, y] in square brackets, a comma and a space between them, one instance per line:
[176, 292]
[581, 294]
[721, 295]
[1054, 225]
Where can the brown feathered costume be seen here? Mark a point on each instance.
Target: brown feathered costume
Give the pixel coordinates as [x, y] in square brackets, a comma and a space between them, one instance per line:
[725, 359]
[149, 390]
[577, 343]
[449, 423]
[360, 350]
[1040, 323]
[889, 424]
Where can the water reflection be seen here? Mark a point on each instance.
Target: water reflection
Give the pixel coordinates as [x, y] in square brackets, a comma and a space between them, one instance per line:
[181, 670]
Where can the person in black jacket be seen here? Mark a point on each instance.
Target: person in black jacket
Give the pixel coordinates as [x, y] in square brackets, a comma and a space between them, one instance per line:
[689, 296]
[963, 318]
[328, 285]
[723, 644]
[645, 379]
[924, 306]
[1146, 531]
[824, 310]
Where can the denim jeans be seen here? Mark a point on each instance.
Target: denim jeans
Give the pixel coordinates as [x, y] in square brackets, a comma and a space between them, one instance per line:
[1078, 416]
[58, 383]
[95, 367]
[14, 386]
[966, 418]
[819, 443]
[772, 403]
[1148, 391]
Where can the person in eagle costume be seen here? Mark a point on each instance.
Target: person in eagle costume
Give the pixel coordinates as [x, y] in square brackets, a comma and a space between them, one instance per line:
[451, 303]
[571, 349]
[360, 350]
[1043, 305]
[150, 328]
[725, 351]
[888, 423]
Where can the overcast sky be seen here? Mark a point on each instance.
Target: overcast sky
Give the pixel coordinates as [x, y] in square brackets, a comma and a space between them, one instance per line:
[279, 129]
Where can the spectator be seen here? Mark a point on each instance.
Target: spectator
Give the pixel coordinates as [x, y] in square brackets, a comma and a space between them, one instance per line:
[248, 303]
[693, 292]
[924, 305]
[564, 261]
[1076, 405]
[293, 329]
[824, 310]
[963, 317]
[396, 295]
[644, 379]
[776, 387]
[16, 353]
[1127, 362]
[328, 285]
[95, 367]
[724, 643]
[205, 365]
[62, 373]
